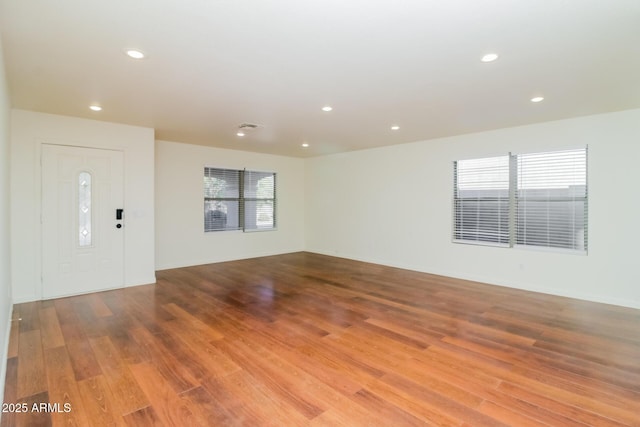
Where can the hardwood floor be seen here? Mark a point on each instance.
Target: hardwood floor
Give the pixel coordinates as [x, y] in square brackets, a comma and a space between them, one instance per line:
[310, 340]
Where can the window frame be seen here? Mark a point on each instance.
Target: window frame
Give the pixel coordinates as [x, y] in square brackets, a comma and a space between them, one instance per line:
[241, 199]
[516, 200]
[574, 196]
[489, 239]
[258, 199]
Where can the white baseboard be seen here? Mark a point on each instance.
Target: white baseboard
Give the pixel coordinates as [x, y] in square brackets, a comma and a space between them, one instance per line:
[191, 263]
[28, 298]
[147, 280]
[491, 281]
[143, 281]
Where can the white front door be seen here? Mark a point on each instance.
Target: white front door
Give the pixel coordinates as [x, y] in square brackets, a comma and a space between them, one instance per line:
[83, 240]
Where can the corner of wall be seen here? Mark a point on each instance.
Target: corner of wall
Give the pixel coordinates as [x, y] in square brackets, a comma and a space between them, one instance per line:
[5, 225]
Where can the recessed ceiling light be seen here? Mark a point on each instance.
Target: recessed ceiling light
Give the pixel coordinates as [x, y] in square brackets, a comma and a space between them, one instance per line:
[395, 127]
[95, 108]
[135, 54]
[489, 57]
[240, 133]
[305, 145]
[537, 99]
[327, 108]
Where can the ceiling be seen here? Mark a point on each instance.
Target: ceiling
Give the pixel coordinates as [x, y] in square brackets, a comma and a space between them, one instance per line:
[212, 65]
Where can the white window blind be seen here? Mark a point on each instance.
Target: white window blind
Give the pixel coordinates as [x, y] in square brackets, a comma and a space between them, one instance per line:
[259, 200]
[481, 200]
[222, 207]
[239, 200]
[537, 199]
[551, 200]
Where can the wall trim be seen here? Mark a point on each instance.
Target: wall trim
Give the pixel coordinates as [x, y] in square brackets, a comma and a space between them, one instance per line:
[489, 281]
[151, 280]
[171, 266]
[147, 280]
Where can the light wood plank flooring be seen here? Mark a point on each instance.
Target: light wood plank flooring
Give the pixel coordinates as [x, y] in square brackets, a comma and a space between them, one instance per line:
[310, 340]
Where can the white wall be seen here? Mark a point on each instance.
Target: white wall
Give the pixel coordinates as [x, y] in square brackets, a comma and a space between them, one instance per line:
[390, 205]
[5, 229]
[29, 131]
[393, 206]
[180, 239]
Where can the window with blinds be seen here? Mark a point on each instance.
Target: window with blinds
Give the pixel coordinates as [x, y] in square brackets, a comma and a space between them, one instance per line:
[536, 199]
[222, 206]
[481, 200]
[551, 200]
[259, 200]
[239, 200]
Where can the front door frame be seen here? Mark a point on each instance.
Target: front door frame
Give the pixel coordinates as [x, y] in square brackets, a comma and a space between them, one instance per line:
[40, 226]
